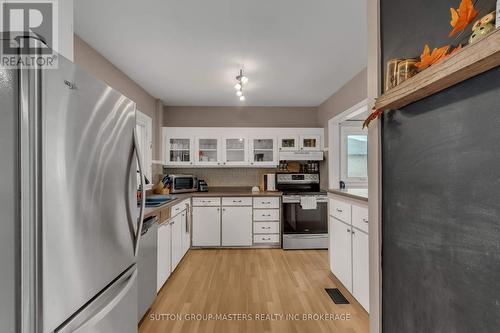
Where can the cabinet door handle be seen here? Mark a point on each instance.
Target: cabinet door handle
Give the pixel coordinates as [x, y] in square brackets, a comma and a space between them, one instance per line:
[218, 209]
[236, 201]
[365, 220]
[266, 228]
[348, 230]
[223, 209]
[339, 210]
[266, 203]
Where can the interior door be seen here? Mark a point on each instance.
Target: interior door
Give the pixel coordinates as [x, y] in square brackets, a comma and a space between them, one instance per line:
[88, 189]
[177, 235]
[340, 252]
[236, 226]
[360, 272]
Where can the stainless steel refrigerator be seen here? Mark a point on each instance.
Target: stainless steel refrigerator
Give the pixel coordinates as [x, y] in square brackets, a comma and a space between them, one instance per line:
[70, 225]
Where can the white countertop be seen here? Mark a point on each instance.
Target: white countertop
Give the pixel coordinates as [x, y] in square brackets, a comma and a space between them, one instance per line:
[355, 193]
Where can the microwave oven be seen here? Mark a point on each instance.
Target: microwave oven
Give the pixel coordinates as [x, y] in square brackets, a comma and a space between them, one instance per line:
[183, 183]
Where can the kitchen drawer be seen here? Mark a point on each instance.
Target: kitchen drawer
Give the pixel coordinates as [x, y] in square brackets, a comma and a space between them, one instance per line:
[360, 217]
[206, 201]
[176, 209]
[264, 239]
[237, 201]
[340, 210]
[266, 227]
[266, 214]
[266, 202]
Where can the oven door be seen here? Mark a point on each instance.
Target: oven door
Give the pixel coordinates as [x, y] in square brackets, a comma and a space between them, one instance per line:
[305, 221]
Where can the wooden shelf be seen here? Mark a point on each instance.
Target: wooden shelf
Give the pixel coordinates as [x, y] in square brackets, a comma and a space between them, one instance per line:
[470, 61]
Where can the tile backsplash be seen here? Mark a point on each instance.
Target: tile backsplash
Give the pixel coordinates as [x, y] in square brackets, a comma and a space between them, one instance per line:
[219, 177]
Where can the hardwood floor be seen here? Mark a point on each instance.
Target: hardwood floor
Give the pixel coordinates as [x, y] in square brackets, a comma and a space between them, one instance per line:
[252, 282]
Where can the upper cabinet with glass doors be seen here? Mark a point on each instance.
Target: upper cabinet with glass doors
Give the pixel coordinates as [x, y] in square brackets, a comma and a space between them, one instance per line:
[235, 151]
[263, 151]
[179, 151]
[310, 142]
[208, 151]
[299, 142]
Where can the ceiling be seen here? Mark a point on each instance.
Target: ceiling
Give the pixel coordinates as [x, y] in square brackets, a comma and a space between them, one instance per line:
[188, 52]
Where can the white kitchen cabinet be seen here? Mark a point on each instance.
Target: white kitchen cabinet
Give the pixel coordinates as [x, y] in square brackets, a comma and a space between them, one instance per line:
[263, 151]
[310, 142]
[235, 151]
[236, 146]
[360, 271]
[186, 234]
[206, 226]
[208, 151]
[164, 257]
[341, 252]
[236, 226]
[177, 235]
[179, 151]
[288, 143]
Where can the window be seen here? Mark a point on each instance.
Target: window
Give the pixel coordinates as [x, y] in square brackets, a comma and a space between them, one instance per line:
[353, 154]
[144, 130]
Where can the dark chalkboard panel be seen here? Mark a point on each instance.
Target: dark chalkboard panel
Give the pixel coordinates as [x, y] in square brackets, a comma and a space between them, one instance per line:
[441, 211]
[407, 25]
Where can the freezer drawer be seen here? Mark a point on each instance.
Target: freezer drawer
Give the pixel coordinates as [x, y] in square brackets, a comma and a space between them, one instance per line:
[112, 311]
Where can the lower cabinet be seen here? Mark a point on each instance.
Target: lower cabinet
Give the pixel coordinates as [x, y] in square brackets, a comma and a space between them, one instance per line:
[349, 248]
[186, 234]
[206, 226]
[164, 254]
[236, 226]
[340, 252]
[177, 236]
[360, 271]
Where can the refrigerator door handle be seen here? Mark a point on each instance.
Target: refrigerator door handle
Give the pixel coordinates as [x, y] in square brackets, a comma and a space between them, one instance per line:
[104, 305]
[143, 194]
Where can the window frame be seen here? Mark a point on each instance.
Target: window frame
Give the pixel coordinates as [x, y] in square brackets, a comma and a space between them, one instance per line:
[146, 121]
[346, 129]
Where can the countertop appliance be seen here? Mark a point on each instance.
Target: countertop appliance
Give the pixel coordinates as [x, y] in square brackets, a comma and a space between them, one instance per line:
[182, 183]
[202, 185]
[147, 265]
[304, 210]
[70, 231]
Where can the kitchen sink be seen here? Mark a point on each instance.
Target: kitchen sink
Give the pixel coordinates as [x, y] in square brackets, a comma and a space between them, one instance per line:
[157, 200]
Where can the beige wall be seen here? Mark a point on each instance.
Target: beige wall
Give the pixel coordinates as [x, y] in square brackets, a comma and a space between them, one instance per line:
[350, 94]
[94, 63]
[240, 117]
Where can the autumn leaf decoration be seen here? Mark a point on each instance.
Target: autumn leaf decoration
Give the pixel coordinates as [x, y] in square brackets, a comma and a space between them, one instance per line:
[429, 58]
[462, 17]
[374, 115]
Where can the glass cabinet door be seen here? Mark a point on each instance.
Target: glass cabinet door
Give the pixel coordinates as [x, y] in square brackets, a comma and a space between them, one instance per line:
[235, 151]
[288, 143]
[263, 151]
[179, 151]
[207, 151]
[310, 142]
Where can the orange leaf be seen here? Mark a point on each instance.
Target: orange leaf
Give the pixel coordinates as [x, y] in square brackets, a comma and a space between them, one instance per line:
[427, 58]
[374, 115]
[463, 17]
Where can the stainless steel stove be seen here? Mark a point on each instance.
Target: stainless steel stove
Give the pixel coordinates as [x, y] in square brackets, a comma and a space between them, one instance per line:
[305, 220]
